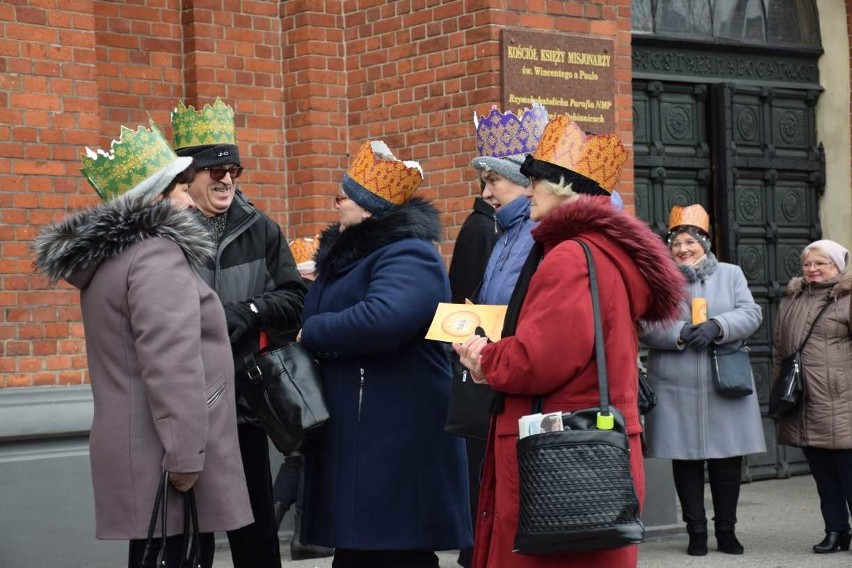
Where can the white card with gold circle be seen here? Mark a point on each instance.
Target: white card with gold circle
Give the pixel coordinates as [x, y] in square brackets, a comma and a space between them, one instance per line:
[457, 323]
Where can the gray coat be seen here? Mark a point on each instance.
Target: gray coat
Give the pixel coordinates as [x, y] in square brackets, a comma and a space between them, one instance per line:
[691, 421]
[825, 418]
[160, 364]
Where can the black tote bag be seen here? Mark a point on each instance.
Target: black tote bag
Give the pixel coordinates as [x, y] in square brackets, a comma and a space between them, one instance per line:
[576, 486]
[283, 386]
[191, 545]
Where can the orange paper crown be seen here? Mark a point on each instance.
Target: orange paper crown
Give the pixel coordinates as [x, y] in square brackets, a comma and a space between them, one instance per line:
[597, 157]
[693, 215]
[377, 170]
[303, 249]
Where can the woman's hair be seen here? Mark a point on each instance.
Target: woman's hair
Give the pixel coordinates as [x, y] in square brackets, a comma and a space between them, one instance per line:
[186, 176]
[560, 189]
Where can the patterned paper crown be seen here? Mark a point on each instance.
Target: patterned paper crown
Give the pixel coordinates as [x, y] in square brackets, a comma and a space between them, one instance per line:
[133, 158]
[303, 249]
[376, 170]
[597, 157]
[693, 215]
[504, 134]
[212, 125]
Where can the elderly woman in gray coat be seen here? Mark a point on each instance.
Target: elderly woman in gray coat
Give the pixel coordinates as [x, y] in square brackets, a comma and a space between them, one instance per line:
[822, 424]
[157, 346]
[692, 423]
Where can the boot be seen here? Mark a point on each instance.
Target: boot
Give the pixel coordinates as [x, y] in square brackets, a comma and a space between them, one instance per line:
[299, 551]
[697, 544]
[833, 542]
[727, 542]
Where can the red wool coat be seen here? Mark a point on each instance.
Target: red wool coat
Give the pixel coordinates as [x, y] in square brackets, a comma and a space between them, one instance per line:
[552, 354]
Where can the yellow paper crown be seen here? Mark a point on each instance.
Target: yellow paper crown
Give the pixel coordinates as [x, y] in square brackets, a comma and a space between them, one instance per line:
[303, 249]
[377, 170]
[133, 158]
[211, 125]
[597, 157]
[692, 215]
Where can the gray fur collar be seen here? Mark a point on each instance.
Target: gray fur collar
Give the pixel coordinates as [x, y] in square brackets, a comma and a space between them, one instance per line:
[705, 268]
[79, 243]
[840, 286]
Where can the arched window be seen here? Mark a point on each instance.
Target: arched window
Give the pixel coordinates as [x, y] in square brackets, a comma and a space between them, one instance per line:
[761, 22]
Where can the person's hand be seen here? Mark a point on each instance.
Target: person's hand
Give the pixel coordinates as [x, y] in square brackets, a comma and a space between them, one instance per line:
[241, 320]
[183, 481]
[703, 334]
[470, 355]
[685, 332]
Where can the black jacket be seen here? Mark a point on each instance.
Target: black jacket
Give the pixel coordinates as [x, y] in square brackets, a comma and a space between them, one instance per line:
[473, 247]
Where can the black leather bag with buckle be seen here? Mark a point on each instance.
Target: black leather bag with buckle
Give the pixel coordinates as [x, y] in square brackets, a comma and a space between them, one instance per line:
[283, 386]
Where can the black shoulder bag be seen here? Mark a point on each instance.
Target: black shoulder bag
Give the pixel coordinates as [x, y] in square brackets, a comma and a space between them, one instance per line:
[786, 393]
[576, 487]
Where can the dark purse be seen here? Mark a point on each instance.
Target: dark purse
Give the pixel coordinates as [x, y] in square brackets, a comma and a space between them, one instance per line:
[647, 396]
[283, 386]
[469, 411]
[789, 386]
[731, 369]
[191, 556]
[576, 487]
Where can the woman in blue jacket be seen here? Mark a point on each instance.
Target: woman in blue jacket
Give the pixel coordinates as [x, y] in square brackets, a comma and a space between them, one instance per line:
[385, 485]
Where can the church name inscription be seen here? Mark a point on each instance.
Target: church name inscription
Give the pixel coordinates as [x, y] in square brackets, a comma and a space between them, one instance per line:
[567, 74]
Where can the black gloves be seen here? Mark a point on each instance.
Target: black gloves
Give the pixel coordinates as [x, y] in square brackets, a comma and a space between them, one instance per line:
[685, 332]
[241, 320]
[701, 335]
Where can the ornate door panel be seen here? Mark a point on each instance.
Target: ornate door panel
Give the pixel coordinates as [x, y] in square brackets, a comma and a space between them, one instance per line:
[769, 174]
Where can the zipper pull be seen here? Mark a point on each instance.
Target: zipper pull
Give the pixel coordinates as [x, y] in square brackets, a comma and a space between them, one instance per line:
[464, 376]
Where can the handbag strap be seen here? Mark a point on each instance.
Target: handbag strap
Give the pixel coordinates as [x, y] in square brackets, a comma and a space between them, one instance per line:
[160, 507]
[600, 353]
[191, 535]
[813, 324]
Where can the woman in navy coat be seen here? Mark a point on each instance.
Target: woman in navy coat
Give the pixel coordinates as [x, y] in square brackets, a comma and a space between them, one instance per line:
[385, 485]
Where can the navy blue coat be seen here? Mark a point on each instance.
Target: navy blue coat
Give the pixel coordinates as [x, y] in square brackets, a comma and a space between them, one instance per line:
[383, 474]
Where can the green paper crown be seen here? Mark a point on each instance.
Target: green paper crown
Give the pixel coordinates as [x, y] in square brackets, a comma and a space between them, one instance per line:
[213, 125]
[133, 158]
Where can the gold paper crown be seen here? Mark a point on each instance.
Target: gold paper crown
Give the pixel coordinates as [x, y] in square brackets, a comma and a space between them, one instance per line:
[303, 249]
[693, 215]
[133, 158]
[377, 170]
[597, 157]
[212, 125]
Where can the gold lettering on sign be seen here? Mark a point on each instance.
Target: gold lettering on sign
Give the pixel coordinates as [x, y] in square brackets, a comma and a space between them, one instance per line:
[523, 52]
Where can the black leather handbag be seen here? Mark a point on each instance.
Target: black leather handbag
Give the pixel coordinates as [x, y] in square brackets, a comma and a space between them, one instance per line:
[576, 487]
[731, 368]
[283, 386]
[789, 386]
[647, 396]
[191, 546]
[469, 412]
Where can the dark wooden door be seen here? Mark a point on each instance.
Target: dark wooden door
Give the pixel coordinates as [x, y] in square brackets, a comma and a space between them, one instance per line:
[749, 155]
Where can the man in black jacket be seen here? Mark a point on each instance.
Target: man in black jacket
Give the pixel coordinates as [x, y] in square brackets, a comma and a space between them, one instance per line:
[256, 279]
[473, 246]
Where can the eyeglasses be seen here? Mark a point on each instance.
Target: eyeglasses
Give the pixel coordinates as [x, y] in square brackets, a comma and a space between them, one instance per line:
[684, 244]
[218, 174]
[338, 199]
[817, 265]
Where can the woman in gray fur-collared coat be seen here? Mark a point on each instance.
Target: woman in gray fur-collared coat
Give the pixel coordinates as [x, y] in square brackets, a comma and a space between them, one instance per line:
[159, 361]
[692, 423]
[822, 424]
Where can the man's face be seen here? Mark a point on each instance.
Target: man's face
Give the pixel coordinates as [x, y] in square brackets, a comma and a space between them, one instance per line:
[213, 196]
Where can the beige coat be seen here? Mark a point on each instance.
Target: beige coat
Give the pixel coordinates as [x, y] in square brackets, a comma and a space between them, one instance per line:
[825, 418]
[160, 365]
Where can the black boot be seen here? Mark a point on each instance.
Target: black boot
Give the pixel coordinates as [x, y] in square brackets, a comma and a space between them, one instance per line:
[689, 484]
[833, 542]
[725, 477]
[299, 551]
[697, 544]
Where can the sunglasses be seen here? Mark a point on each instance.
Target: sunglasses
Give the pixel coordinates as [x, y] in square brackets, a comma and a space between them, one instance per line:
[217, 174]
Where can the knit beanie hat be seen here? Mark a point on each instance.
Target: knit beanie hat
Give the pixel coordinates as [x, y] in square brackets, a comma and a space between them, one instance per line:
[503, 140]
[838, 254]
[377, 181]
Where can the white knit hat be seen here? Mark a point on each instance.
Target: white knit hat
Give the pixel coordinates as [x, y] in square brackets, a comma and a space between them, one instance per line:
[838, 254]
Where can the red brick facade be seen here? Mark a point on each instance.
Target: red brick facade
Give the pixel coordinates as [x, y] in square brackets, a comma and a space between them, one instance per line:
[309, 80]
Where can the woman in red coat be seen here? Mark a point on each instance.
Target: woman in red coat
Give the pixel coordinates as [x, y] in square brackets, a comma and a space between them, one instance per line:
[551, 353]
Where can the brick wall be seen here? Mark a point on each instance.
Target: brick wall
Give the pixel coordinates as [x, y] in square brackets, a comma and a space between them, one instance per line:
[309, 80]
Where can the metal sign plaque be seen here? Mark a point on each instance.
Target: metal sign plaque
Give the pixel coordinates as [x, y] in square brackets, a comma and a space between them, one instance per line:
[568, 74]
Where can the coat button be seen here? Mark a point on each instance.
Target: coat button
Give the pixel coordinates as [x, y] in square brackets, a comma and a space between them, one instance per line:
[484, 514]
